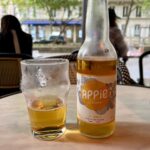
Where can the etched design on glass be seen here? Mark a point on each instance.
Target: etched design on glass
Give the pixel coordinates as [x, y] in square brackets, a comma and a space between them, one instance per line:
[41, 77]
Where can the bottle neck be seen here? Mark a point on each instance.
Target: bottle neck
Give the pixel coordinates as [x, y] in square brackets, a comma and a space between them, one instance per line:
[97, 28]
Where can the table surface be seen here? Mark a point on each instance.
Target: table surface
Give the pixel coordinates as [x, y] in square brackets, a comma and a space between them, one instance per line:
[132, 124]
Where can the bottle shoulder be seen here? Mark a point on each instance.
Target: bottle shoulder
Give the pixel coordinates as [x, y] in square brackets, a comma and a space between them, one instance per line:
[97, 50]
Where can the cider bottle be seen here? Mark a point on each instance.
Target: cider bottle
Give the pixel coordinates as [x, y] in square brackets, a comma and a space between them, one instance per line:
[96, 75]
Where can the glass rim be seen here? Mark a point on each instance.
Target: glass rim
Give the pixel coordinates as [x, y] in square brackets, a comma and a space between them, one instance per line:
[44, 61]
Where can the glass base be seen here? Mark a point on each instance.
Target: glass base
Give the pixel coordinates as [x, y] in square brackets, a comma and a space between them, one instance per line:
[48, 135]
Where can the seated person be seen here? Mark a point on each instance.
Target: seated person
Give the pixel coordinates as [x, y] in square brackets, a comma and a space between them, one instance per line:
[10, 28]
[116, 36]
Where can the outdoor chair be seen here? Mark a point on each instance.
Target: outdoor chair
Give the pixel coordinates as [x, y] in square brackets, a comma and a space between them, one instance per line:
[72, 66]
[123, 76]
[141, 68]
[10, 72]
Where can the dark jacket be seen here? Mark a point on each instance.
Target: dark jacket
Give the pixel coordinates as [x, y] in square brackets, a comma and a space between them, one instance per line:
[7, 45]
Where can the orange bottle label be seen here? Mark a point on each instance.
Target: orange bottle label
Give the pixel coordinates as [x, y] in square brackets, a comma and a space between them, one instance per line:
[96, 98]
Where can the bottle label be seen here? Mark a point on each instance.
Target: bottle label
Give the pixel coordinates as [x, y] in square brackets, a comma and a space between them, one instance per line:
[96, 98]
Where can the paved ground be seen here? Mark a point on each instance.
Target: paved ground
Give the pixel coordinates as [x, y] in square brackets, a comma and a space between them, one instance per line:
[132, 65]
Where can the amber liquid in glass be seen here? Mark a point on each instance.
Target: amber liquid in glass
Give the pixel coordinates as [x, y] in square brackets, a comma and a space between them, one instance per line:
[104, 67]
[47, 117]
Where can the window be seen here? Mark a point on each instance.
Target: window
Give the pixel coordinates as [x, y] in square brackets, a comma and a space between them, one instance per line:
[113, 7]
[80, 34]
[69, 12]
[149, 30]
[34, 12]
[137, 30]
[138, 11]
[125, 11]
[123, 28]
[69, 33]
[80, 11]
[53, 13]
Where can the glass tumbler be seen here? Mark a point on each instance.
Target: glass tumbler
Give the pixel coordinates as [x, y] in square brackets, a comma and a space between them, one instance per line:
[45, 86]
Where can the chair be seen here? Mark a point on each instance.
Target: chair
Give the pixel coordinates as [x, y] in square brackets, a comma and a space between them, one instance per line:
[10, 72]
[123, 76]
[72, 66]
[141, 68]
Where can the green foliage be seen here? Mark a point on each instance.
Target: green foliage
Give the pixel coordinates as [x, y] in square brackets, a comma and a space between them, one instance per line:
[146, 4]
[5, 3]
[48, 5]
[51, 4]
[20, 3]
[55, 4]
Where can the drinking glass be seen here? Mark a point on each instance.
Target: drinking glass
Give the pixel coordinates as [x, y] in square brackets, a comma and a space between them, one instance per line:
[45, 86]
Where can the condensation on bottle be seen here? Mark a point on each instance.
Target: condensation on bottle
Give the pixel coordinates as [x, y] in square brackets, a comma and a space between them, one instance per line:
[96, 75]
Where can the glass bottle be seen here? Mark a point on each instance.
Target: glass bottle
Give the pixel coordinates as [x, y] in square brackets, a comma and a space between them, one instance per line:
[96, 75]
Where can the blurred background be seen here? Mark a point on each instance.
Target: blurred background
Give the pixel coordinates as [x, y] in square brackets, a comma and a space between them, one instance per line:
[47, 20]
